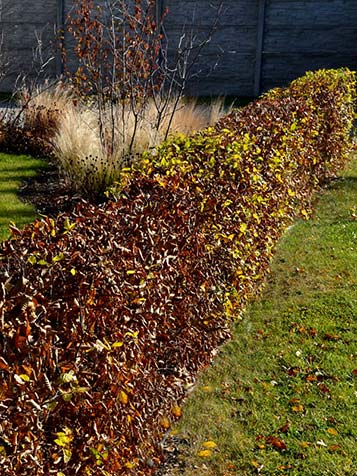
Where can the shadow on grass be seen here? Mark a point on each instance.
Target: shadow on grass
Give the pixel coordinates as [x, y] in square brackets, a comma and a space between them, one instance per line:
[349, 182]
[16, 214]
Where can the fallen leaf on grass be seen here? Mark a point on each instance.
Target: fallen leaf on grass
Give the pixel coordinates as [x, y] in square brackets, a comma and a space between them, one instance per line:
[333, 337]
[259, 467]
[207, 388]
[324, 388]
[334, 448]
[204, 453]
[293, 371]
[209, 444]
[311, 378]
[297, 408]
[285, 428]
[332, 431]
[313, 332]
[276, 443]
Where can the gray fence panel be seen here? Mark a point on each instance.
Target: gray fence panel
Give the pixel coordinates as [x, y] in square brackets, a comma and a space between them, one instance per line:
[307, 35]
[258, 44]
[226, 65]
[27, 28]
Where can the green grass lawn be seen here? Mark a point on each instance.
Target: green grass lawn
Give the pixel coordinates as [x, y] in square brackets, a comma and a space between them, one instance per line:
[281, 398]
[14, 169]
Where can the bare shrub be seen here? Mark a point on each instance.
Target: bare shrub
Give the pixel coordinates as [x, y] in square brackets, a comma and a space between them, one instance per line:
[43, 107]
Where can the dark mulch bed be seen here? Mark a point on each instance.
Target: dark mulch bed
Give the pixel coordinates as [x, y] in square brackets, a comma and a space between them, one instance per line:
[49, 192]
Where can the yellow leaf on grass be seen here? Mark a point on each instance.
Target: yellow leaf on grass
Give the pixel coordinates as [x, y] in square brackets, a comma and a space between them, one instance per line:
[204, 453]
[207, 388]
[332, 431]
[298, 408]
[209, 444]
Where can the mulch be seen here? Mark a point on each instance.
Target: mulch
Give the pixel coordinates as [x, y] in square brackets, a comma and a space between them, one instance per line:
[49, 192]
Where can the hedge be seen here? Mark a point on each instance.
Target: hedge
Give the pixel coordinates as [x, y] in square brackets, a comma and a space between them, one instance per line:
[109, 312]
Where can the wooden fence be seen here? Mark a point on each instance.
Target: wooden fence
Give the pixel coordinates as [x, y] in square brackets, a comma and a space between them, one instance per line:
[256, 45]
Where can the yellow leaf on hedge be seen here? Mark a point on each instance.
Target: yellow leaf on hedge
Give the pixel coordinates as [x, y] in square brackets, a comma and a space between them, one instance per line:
[176, 411]
[129, 465]
[165, 422]
[256, 216]
[25, 377]
[117, 344]
[209, 444]
[65, 436]
[243, 228]
[123, 397]
[32, 259]
[67, 454]
[204, 453]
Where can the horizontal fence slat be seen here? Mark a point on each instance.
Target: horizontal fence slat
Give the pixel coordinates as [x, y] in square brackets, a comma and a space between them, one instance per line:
[298, 35]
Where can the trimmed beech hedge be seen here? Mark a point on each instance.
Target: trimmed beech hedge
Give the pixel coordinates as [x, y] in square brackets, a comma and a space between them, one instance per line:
[108, 312]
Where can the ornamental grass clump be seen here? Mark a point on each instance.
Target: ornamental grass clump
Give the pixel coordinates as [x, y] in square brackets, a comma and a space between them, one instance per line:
[109, 312]
[90, 166]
